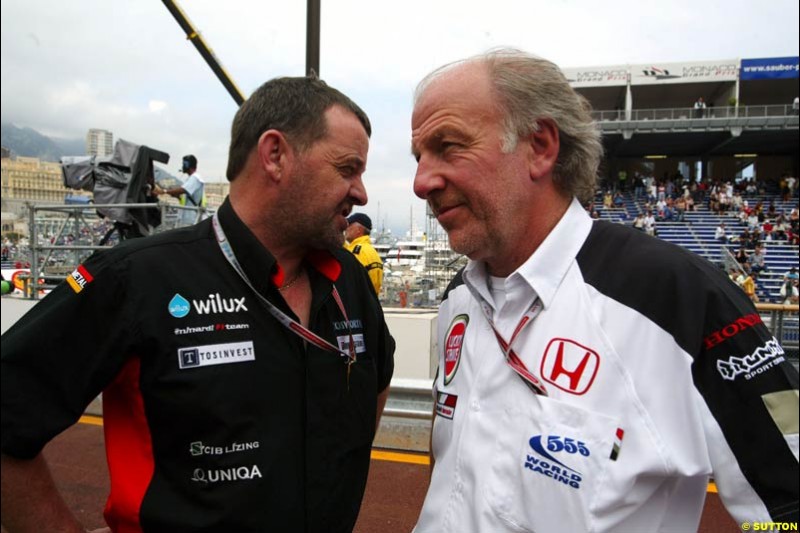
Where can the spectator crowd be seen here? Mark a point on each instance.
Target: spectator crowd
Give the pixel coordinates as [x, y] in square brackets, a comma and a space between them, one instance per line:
[759, 206]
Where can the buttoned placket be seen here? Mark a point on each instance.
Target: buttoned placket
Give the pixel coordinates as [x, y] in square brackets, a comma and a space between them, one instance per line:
[488, 362]
[478, 286]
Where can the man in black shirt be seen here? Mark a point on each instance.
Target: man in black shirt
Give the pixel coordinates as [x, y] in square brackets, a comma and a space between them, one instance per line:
[244, 361]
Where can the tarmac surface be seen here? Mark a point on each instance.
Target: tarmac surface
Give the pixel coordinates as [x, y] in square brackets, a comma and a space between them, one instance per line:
[395, 489]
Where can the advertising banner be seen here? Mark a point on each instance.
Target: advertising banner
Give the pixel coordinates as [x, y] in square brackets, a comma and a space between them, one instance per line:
[770, 68]
[692, 72]
[612, 76]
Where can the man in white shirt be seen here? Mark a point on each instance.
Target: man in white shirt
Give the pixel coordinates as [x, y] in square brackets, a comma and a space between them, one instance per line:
[719, 233]
[789, 293]
[650, 224]
[758, 258]
[573, 392]
[190, 193]
[700, 108]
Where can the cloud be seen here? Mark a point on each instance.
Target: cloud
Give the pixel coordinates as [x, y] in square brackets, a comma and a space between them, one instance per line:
[156, 106]
[126, 66]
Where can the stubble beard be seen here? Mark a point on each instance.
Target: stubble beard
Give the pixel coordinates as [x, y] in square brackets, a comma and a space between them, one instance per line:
[466, 242]
[328, 237]
[472, 237]
[303, 225]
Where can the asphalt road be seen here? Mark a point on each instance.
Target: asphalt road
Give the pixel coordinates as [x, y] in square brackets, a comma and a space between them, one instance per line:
[395, 489]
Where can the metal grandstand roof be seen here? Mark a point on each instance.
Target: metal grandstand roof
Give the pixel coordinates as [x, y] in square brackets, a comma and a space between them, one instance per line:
[703, 143]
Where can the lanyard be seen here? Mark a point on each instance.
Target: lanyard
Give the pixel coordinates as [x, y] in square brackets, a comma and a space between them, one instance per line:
[511, 357]
[284, 319]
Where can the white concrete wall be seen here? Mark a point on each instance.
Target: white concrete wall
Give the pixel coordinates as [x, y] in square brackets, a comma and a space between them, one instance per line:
[414, 331]
[12, 309]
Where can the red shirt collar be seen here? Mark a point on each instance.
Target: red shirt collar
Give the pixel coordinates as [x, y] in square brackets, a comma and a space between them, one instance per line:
[323, 262]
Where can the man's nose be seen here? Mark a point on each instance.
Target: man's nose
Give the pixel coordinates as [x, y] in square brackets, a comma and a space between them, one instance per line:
[428, 178]
[358, 192]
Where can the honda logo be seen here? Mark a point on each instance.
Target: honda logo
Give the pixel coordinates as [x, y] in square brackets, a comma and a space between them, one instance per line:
[569, 366]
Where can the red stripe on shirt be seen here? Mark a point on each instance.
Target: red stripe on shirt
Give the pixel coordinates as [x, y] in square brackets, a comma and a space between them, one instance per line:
[129, 449]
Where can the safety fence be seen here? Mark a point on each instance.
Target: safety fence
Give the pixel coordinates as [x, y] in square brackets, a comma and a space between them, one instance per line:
[685, 113]
[62, 236]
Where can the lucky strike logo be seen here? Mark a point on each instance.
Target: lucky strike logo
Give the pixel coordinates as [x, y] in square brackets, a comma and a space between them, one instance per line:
[453, 342]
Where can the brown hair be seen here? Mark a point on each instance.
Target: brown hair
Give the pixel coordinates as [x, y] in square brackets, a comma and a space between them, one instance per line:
[294, 106]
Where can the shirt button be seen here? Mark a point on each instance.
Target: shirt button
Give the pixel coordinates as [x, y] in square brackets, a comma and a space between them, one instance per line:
[475, 405]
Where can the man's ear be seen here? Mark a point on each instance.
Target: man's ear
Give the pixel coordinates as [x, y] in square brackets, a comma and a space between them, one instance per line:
[273, 154]
[544, 144]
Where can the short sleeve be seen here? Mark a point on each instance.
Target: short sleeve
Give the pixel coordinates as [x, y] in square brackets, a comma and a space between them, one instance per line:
[60, 355]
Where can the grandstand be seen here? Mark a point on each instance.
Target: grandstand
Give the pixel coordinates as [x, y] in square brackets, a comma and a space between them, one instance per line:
[696, 233]
[747, 133]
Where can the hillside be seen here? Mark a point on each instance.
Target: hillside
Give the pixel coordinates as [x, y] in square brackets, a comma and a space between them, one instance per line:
[30, 143]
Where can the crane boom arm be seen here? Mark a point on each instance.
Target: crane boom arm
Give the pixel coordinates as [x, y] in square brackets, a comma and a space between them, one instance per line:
[205, 51]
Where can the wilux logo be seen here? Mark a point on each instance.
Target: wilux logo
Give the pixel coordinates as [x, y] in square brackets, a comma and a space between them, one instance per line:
[215, 304]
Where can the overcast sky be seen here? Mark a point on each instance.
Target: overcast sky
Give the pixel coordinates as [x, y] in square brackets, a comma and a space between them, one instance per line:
[125, 66]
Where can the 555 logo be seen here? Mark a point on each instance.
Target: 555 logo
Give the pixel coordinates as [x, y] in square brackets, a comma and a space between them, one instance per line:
[543, 461]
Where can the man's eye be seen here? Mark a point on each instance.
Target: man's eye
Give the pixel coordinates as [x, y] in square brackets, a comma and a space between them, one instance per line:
[446, 147]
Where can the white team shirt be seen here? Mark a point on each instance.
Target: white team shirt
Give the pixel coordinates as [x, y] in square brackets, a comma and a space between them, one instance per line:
[625, 439]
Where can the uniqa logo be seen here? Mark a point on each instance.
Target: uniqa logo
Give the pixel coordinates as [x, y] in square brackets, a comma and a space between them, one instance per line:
[179, 306]
[227, 474]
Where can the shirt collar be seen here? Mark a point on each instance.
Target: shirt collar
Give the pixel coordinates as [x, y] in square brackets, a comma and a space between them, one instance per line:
[258, 263]
[546, 267]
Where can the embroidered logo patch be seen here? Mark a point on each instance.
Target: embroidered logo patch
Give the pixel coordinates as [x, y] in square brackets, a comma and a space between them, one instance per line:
[618, 436]
[179, 306]
[569, 366]
[358, 340]
[732, 329]
[210, 328]
[446, 404]
[543, 461]
[762, 359]
[79, 279]
[215, 354]
[453, 342]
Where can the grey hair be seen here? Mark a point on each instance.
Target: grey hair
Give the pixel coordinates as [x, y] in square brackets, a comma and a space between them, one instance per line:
[530, 89]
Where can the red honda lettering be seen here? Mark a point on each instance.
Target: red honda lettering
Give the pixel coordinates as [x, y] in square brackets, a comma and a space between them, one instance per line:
[734, 328]
[730, 330]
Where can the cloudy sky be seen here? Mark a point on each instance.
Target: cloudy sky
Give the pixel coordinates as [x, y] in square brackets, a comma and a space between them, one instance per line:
[125, 66]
